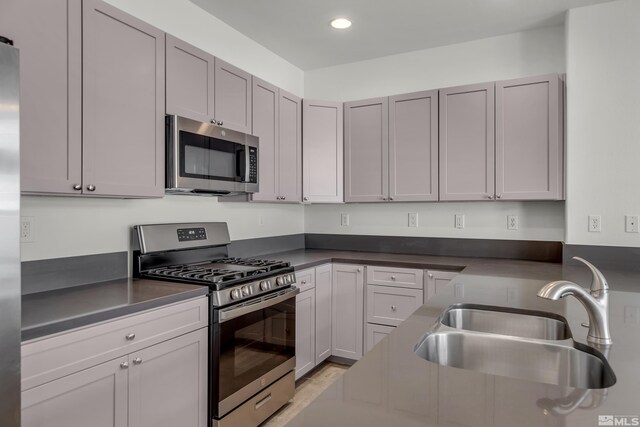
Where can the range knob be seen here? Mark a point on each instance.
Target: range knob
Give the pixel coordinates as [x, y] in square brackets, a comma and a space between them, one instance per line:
[280, 281]
[264, 285]
[235, 294]
[245, 291]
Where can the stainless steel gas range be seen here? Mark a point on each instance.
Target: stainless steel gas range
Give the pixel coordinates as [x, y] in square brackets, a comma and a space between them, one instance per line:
[252, 316]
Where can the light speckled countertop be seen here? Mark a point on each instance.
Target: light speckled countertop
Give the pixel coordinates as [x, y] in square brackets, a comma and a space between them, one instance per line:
[391, 386]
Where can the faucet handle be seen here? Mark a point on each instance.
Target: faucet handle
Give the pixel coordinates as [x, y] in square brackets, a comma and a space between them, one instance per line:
[598, 283]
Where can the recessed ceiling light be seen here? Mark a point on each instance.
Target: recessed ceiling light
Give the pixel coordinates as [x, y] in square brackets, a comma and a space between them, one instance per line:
[340, 23]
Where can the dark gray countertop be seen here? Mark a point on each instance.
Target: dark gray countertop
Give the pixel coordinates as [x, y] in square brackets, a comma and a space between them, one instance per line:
[391, 386]
[55, 311]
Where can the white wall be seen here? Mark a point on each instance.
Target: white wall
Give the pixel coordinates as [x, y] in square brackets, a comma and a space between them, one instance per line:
[66, 226]
[185, 20]
[514, 55]
[603, 121]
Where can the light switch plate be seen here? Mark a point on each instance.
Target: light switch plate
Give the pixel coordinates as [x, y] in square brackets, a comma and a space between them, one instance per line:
[459, 220]
[344, 220]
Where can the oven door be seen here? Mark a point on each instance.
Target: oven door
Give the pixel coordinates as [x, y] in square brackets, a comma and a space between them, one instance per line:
[253, 345]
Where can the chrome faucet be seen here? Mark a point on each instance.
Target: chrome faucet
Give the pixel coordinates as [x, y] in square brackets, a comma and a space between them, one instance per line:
[596, 302]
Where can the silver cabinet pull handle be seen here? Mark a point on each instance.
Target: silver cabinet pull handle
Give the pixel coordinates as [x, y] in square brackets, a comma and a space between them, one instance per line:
[124, 365]
[284, 198]
[359, 270]
[393, 308]
[220, 123]
[304, 282]
[384, 198]
[390, 198]
[430, 276]
[393, 277]
[213, 121]
[499, 196]
[137, 361]
[130, 336]
[91, 187]
[77, 187]
[489, 196]
[306, 199]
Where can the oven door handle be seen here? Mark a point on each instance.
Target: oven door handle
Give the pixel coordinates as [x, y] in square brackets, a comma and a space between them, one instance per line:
[231, 313]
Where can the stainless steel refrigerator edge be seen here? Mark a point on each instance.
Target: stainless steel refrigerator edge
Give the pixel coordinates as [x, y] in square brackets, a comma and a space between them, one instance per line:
[9, 236]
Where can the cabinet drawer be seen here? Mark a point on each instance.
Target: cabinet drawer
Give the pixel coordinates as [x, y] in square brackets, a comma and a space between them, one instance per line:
[390, 306]
[306, 279]
[52, 357]
[390, 276]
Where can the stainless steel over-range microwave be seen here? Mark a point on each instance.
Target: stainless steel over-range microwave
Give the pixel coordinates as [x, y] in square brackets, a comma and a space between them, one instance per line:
[203, 158]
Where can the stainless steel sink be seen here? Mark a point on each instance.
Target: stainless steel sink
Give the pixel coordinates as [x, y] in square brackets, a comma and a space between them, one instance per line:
[563, 363]
[503, 321]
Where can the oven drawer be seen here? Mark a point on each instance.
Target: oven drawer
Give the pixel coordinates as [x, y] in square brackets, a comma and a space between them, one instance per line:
[306, 279]
[49, 358]
[261, 406]
[390, 306]
[392, 276]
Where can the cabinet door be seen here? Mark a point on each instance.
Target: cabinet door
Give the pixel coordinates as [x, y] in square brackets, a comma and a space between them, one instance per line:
[375, 334]
[467, 142]
[123, 104]
[347, 305]
[290, 147]
[190, 80]
[322, 154]
[323, 313]
[305, 332]
[436, 281]
[529, 140]
[168, 383]
[48, 34]
[265, 127]
[366, 150]
[94, 397]
[413, 147]
[233, 97]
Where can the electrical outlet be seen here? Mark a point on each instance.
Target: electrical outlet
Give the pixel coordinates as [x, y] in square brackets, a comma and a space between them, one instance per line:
[26, 229]
[344, 219]
[512, 222]
[595, 225]
[459, 218]
[631, 224]
[413, 219]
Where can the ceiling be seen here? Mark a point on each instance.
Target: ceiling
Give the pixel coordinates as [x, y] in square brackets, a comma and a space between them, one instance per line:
[299, 31]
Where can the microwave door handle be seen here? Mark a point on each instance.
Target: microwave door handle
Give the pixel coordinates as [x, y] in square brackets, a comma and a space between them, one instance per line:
[242, 164]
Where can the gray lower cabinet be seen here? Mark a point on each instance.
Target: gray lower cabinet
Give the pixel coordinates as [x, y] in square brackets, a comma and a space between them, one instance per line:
[323, 151]
[232, 97]
[366, 150]
[347, 311]
[305, 332]
[277, 121]
[324, 292]
[467, 142]
[435, 281]
[529, 138]
[376, 333]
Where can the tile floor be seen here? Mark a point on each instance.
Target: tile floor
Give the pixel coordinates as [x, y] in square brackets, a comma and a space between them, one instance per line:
[307, 389]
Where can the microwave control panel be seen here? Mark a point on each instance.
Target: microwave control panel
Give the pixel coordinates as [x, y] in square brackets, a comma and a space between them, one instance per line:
[253, 165]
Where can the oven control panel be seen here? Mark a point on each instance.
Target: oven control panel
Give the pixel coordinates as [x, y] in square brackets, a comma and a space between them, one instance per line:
[248, 290]
[188, 234]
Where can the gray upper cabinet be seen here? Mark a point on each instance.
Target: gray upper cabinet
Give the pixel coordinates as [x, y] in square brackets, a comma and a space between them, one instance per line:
[265, 127]
[190, 81]
[232, 97]
[413, 147]
[529, 139]
[366, 141]
[323, 150]
[289, 147]
[277, 121]
[48, 34]
[467, 142]
[123, 103]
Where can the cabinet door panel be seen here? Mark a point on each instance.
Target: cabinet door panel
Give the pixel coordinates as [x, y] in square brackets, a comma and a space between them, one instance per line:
[48, 34]
[190, 80]
[168, 383]
[347, 308]
[390, 306]
[413, 146]
[322, 156]
[366, 150]
[290, 147]
[265, 127]
[376, 333]
[123, 103]
[323, 312]
[233, 97]
[305, 332]
[529, 149]
[436, 281]
[467, 142]
[94, 397]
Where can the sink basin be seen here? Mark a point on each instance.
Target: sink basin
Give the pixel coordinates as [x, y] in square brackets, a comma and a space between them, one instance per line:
[512, 322]
[573, 365]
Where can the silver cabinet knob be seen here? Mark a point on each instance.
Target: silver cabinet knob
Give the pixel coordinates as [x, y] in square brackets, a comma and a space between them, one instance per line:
[213, 121]
[137, 361]
[220, 122]
[303, 282]
[77, 187]
[306, 199]
[384, 198]
[499, 196]
[130, 336]
[91, 187]
[284, 198]
[124, 365]
[489, 196]
[393, 277]
[430, 276]
[390, 198]
[393, 308]
[358, 269]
